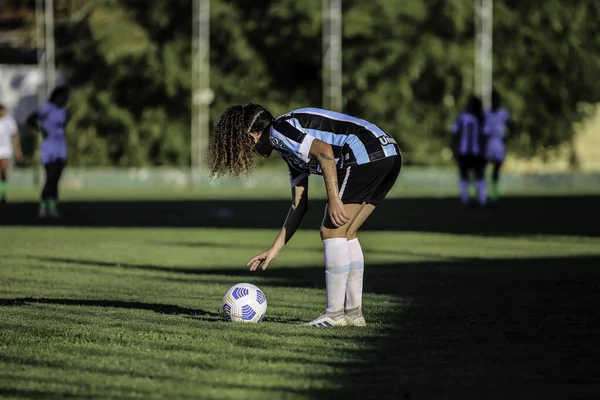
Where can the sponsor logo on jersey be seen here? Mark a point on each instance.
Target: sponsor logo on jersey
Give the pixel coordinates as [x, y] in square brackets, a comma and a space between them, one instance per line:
[385, 140]
[276, 142]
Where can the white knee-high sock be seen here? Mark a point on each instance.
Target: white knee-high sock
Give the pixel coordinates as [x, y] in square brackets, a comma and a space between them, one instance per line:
[354, 288]
[337, 265]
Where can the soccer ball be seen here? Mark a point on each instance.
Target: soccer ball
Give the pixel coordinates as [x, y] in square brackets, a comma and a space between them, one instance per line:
[244, 302]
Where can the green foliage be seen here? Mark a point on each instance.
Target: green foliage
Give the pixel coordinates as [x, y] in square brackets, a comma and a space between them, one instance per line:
[111, 45]
[547, 67]
[408, 66]
[131, 103]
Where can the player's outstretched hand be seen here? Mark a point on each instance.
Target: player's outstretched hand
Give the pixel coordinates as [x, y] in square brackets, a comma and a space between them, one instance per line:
[337, 213]
[263, 259]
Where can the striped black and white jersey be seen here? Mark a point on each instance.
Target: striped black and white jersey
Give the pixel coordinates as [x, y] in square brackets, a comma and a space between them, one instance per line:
[470, 133]
[354, 141]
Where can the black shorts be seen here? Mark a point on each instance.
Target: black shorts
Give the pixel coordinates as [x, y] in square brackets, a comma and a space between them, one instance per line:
[369, 183]
[467, 163]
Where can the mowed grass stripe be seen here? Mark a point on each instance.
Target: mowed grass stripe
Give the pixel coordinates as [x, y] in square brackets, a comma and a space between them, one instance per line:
[133, 312]
[127, 329]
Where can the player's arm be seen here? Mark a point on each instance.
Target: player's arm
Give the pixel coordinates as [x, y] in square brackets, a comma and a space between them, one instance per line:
[307, 147]
[295, 214]
[324, 154]
[14, 130]
[290, 226]
[455, 137]
[33, 121]
[17, 146]
[33, 118]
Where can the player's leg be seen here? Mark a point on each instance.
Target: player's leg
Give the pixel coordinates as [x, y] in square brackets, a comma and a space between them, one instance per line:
[4, 164]
[354, 287]
[479, 171]
[496, 166]
[463, 180]
[49, 169]
[59, 166]
[357, 187]
[337, 267]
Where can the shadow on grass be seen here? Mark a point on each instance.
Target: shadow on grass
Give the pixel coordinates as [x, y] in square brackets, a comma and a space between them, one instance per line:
[557, 215]
[37, 394]
[489, 328]
[383, 274]
[318, 248]
[131, 305]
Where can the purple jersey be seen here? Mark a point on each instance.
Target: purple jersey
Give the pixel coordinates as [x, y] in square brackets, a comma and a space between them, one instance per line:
[53, 120]
[495, 127]
[470, 134]
[495, 123]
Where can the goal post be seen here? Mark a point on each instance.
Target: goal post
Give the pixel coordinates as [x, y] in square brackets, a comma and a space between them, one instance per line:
[483, 79]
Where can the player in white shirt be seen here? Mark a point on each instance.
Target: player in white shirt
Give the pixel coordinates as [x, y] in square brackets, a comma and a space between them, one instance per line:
[9, 146]
[497, 120]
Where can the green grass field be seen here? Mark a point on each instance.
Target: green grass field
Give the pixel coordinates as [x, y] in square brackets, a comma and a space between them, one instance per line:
[120, 299]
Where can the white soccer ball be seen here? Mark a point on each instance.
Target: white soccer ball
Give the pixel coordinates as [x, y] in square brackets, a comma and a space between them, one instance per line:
[244, 302]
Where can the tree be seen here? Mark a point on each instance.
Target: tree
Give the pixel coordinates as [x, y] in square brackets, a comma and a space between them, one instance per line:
[408, 66]
[131, 74]
[547, 61]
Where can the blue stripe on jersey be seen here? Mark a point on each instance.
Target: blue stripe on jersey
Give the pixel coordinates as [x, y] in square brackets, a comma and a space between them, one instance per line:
[291, 145]
[331, 138]
[358, 149]
[288, 130]
[374, 129]
[390, 150]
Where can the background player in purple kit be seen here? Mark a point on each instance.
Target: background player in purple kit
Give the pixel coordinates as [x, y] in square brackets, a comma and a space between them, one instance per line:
[52, 120]
[497, 120]
[468, 146]
[360, 163]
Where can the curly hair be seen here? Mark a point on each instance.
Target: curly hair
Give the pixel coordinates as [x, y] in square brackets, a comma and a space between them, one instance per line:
[231, 149]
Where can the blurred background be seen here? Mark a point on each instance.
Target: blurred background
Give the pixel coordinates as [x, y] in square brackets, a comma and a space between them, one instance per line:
[149, 77]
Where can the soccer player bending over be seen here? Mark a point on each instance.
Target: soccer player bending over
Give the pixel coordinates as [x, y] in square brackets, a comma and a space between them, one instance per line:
[360, 163]
[9, 140]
